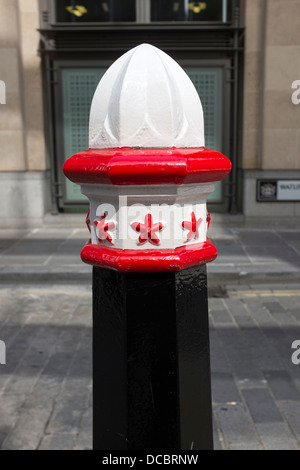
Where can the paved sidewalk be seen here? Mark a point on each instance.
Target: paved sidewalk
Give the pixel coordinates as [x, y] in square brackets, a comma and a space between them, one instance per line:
[256, 386]
[245, 255]
[45, 388]
[45, 321]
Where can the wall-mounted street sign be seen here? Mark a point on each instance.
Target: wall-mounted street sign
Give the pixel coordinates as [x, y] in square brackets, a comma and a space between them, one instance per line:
[278, 190]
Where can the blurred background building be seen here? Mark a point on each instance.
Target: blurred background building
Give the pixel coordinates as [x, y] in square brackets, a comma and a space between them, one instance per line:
[242, 56]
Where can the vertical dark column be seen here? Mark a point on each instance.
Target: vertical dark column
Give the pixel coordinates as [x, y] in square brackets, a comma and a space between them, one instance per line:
[151, 361]
[194, 359]
[110, 412]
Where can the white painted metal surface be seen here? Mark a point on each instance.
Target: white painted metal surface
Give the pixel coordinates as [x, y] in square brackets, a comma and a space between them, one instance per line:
[170, 205]
[145, 99]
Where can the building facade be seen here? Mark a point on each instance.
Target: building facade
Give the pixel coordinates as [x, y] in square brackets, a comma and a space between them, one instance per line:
[243, 57]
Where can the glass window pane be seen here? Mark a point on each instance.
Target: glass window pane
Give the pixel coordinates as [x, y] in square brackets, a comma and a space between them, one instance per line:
[187, 10]
[229, 10]
[211, 10]
[83, 11]
[167, 10]
[78, 88]
[208, 82]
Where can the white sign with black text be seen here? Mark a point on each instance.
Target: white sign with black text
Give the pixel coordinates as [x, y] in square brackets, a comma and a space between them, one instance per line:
[288, 190]
[278, 190]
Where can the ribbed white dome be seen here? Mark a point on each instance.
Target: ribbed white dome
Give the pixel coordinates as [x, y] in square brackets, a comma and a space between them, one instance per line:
[145, 99]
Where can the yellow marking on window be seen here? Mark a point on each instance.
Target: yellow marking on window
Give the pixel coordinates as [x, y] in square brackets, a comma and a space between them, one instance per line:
[78, 10]
[197, 7]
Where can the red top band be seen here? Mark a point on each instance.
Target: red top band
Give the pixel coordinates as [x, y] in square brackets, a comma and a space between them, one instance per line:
[130, 166]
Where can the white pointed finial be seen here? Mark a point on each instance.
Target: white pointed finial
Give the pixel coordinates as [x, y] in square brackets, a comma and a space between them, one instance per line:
[145, 99]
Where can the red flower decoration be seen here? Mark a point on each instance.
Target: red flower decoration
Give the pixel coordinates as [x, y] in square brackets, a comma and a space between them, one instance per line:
[102, 229]
[208, 219]
[147, 230]
[192, 226]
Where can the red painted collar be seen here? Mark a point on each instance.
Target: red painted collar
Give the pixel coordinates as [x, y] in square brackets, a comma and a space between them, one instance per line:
[130, 166]
[149, 260]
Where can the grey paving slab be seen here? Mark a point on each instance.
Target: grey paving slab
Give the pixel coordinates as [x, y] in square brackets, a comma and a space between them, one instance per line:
[261, 406]
[71, 246]
[10, 406]
[58, 441]
[218, 232]
[236, 427]
[13, 262]
[254, 287]
[83, 234]
[29, 428]
[241, 359]
[290, 302]
[220, 362]
[295, 313]
[245, 273]
[63, 259]
[273, 306]
[236, 307]
[50, 234]
[259, 313]
[216, 304]
[295, 244]
[244, 322]
[46, 273]
[224, 389]
[84, 438]
[289, 235]
[265, 354]
[221, 317]
[281, 385]
[258, 237]
[66, 415]
[217, 437]
[5, 244]
[271, 254]
[290, 410]
[229, 249]
[14, 234]
[276, 436]
[30, 247]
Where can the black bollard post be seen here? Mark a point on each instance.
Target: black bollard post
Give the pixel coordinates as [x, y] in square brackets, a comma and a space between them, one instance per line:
[151, 361]
[147, 175]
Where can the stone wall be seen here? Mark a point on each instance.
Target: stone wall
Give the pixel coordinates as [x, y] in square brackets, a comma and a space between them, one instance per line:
[281, 118]
[271, 137]
[24, 177]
